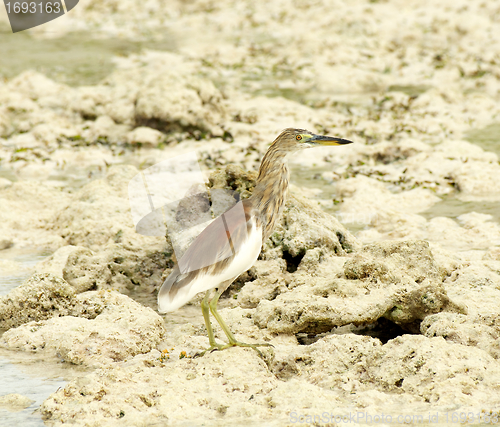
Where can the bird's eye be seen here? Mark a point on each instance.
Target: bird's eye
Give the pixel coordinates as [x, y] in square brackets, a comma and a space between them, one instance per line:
[298, 137]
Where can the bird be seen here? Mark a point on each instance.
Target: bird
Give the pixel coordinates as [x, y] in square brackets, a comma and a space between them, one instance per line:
[232, 242]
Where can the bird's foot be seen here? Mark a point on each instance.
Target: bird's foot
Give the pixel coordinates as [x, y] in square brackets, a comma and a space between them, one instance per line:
[254, 346]
[217, 346]
[213, 347]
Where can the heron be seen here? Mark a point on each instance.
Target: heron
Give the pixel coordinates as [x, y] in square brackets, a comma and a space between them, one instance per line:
[232, 242]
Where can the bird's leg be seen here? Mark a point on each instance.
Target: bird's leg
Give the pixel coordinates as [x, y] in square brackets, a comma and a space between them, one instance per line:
[206, 315]
[213, 309]
[232, 340]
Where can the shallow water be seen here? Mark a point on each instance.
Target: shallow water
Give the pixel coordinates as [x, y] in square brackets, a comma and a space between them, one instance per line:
[27, 260]
[8, 174]
[452, 207]
[487, 138]
[76, 59]
[35, 377]
[36, 386]
[7, 283]
[25, 374]
[411, 90]
[310, 178]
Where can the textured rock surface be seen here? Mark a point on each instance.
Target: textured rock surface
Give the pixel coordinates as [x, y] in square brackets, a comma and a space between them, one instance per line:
[405, 81]
[109, 252]
[55, 263]
[477, 284]
[118, 268]
[396, 280]
[430, 367]
[99, 213]
[99, 328]
[15, 402]
[41, 297]
[303, 224]
[460, 329]
[27, 210]
[337, 371]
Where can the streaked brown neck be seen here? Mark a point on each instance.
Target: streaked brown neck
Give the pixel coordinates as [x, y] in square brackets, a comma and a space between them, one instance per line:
[269, 194]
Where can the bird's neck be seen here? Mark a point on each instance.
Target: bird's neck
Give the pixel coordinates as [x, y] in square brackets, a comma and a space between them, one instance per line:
[271, 188]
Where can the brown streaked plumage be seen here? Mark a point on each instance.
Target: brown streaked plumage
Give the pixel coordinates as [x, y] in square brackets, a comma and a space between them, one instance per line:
[232, 242]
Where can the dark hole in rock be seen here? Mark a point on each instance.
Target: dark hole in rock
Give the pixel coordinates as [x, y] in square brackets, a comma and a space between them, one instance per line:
[89, 116]
[383, 329]
[344, 243]
[167, 126]
[341, 238]
[292, 262]
[247, 276]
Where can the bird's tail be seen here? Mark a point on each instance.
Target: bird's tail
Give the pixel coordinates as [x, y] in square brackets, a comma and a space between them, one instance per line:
[172, 296]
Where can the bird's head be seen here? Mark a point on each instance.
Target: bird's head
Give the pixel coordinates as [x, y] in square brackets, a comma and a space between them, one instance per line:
[297, 139]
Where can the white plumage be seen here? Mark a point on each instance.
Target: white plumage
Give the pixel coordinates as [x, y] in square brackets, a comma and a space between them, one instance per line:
[242, 261]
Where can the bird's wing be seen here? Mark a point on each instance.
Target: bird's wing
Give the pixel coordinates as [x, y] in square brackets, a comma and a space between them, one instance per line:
[220, 240]
[210, 252]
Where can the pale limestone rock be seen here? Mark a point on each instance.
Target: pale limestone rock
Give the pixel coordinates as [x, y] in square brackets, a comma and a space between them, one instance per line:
[493, 254]
[109, 252]
[41, 297]
[111, 268]
[5, 124]
[307, 227]
[118, 267]
[338, 371]
[175, 102]
[55, 263]
[461, 329]
[174, 391]
[145, 136]
[368, 201]
[436, 371]
[99, 328]
[8, 267]
[396, 280]
[472, 235]
[360, 84]
[99, 213]
[5, 183]
[478, 181]
[14, 402]
[105, 129]
[35, 85]
[27, 210]
[344, 357]
[429, 370]
[476, 285]
[270, 280]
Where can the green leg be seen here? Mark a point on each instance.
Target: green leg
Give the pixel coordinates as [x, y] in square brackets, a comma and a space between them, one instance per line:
[205, 308]
[213, 309]
[232, 340]
[206, 315]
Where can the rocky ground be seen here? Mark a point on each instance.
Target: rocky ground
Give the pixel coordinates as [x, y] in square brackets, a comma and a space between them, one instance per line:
[376, 299]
